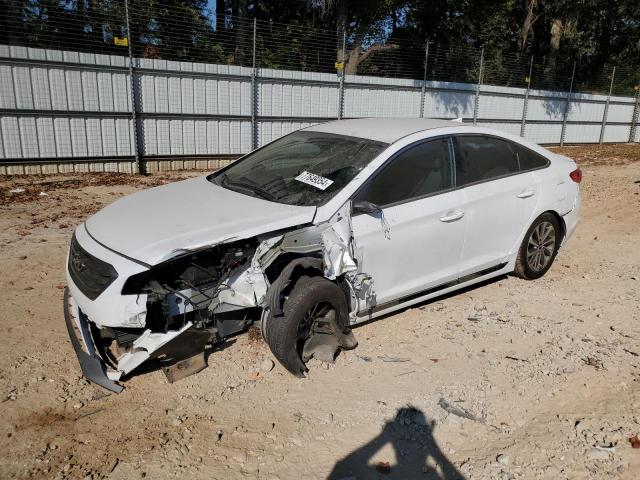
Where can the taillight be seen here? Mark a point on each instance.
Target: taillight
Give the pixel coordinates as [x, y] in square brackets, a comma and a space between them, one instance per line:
[576, 175]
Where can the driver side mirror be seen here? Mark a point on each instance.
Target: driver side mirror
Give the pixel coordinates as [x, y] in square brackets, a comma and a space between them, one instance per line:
[363, 206]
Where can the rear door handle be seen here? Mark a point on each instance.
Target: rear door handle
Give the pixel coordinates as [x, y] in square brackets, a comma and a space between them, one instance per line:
[526, 194]
[452, 216]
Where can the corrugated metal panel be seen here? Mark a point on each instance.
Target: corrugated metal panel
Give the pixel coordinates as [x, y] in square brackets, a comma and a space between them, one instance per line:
[372, 102]
[270, 131]
[46, 138]
[492, 106]
[56, 90]
[585, 111]
[620, 113]
[73, 80]
[27, 135]
[543, 133]
[448, 104]
[546, 109]
[11, 137]
[512, 128]
[79, 137]
[196, 137]
[186, 100]
[299, 100]
[94, 137]
[616, 133]
[582, 133]
[7, 96]
[22, 87]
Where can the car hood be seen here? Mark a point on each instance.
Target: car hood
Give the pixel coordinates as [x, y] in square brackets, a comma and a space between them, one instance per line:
[153, 225]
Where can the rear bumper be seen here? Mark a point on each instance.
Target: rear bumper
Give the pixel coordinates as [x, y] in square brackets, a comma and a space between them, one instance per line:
[93, 367]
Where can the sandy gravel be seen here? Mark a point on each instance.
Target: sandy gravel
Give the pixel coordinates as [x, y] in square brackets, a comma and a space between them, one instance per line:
[548, 372]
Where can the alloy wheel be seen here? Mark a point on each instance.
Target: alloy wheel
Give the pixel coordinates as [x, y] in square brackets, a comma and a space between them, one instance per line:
[541, 246]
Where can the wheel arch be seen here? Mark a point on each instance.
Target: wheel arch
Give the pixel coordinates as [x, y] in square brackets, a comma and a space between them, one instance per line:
[563, 225]
[284, 273]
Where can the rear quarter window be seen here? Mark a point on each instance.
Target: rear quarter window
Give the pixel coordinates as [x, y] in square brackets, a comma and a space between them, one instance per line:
[530, 160]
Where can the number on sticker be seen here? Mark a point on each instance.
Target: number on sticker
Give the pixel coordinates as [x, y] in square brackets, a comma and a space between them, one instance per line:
[314, 180]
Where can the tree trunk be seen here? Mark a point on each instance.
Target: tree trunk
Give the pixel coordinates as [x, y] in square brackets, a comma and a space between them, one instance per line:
[528, 23]
[341, 23]
[240, 27]
[554, 44]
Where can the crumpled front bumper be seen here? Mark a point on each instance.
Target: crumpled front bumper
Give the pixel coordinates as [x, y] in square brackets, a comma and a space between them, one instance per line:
[177, 348]
[92, 365]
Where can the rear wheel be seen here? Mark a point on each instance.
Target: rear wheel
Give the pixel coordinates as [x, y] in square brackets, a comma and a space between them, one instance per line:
[315, 322]
[539, 247]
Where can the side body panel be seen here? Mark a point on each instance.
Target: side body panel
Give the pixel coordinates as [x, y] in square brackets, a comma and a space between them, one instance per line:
[410, 248]
[496, 212]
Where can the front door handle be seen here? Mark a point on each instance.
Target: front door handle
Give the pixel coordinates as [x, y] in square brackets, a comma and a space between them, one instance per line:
[526, 194]
[452, 216]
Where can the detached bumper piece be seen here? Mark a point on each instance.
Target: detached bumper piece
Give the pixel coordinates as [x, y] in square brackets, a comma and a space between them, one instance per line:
[93, 367]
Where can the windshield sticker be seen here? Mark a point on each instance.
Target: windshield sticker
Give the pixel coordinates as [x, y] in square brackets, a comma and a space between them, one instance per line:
[314, 180]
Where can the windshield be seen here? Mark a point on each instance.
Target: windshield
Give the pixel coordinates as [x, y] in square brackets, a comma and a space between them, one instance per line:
[304, 168]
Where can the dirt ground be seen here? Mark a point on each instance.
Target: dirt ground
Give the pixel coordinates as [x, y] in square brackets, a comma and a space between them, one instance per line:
[511, 379]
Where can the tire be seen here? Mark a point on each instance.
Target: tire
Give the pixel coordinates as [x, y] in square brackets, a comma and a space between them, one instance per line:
[284, 334]
[539, 247]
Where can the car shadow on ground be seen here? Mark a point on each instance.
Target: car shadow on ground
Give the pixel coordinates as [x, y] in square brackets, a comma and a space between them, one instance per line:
[417, 454]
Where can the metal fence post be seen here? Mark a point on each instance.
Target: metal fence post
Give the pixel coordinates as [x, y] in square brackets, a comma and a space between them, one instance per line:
[341, 80]
[634, 116]
[606, 107]
[423, 92]
[566, 106]
[254, 92]
[526, 100]
[138, 139]
[477, 98]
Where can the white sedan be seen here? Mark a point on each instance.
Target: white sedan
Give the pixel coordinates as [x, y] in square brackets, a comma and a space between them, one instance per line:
[308, 236]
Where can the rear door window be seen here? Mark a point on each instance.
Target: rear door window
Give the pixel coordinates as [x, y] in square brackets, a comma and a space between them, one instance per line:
[418, 171]
[481, 158]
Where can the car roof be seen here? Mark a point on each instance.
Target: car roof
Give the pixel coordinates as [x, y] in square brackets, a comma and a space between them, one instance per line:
[387, 130]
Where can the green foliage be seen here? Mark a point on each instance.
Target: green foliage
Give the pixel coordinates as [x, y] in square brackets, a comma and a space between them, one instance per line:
[383, 37]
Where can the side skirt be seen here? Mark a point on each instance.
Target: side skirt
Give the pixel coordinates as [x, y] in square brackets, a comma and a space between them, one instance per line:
[430, 293]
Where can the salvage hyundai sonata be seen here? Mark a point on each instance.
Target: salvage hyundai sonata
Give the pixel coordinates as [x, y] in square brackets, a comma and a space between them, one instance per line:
[320, 230]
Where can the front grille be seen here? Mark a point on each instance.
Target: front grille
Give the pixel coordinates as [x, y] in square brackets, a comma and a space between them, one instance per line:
[90, 274]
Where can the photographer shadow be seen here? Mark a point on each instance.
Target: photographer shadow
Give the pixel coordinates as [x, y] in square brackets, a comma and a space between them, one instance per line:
[418, 455]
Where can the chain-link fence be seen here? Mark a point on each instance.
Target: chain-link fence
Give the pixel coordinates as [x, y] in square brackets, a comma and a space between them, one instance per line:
[134, 74]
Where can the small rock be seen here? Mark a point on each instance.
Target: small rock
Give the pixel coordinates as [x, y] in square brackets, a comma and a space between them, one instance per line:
[266, 365]
[503, 459]
[597, 454]
[328, 418]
